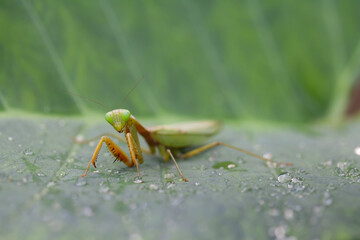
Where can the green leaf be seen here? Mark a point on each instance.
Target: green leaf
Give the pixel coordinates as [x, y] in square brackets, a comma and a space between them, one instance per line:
[43, 197]
[281, 61]
[262, 65]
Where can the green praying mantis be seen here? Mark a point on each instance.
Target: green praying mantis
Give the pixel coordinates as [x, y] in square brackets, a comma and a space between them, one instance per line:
[169, 140]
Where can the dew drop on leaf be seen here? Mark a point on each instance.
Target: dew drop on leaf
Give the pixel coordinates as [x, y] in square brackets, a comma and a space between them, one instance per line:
[138, 180]
[153, 187]
[284, 178]
[169, 176]
[357, 151]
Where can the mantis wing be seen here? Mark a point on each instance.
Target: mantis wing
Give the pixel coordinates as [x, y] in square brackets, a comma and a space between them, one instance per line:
[185, 134]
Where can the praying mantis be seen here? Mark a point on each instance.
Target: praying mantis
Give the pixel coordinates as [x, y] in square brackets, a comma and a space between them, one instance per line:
[169, 140]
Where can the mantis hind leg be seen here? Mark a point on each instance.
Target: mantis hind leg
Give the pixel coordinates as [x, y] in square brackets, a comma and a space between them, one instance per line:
[176, 165]
[166, 153]
[214, 144]
[114, 149]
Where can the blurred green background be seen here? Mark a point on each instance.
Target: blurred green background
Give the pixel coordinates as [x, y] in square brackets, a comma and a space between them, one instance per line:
[282, 61]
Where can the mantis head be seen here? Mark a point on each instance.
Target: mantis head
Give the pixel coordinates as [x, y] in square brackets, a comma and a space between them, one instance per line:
[118, 118]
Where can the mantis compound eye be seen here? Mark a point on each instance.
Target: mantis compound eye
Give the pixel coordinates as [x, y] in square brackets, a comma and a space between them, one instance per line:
[125, 115]
[109, 117]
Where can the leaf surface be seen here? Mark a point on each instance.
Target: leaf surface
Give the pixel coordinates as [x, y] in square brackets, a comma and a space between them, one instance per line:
[230, 195]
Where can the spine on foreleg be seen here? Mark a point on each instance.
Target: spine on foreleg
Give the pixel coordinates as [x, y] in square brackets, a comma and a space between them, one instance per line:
[117, 152]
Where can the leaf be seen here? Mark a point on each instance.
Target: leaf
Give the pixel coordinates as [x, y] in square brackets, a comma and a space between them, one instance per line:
[281, 61]
[43, 197]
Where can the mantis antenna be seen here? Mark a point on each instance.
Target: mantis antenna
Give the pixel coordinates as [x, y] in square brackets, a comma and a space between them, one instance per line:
[128, 94]
[102, 105]
[91, 100]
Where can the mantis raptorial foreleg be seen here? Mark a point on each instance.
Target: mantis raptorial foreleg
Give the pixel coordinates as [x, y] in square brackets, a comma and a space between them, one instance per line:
[113, 148]
[147, 151]
[133, 150]
[214, 144]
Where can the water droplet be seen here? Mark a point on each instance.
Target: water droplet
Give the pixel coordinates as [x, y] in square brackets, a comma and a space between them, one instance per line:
[96, 171]
[79, 138]
[80, 182]
[357, 151]
[169, 176]
[284, 178]
[197, 184]
[170, 184]
[288, 214]
[61, 174]
[268, 155]
[274, 212]
[296, 180]
[135, 236]
[138, 179]
[280, 232]
[224, 165]
[153, 187]
[28, 152]
[271, 164]
[87, 211]
[327, 200]
[327, 163]
[231, 166]
[10, 139]
[40, 174]
[342, 165]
